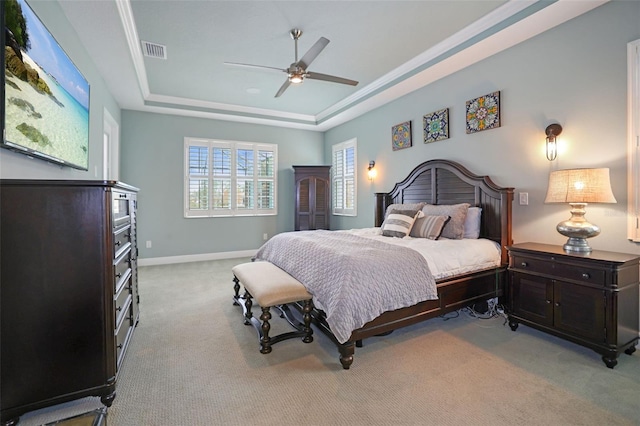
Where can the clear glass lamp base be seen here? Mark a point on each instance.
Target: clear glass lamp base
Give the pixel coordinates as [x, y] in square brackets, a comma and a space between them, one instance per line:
[577, 229]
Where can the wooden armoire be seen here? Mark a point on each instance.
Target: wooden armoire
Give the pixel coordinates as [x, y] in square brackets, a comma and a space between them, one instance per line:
[313, 197]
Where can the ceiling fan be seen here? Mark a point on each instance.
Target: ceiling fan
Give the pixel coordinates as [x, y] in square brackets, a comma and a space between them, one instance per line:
[297, 71]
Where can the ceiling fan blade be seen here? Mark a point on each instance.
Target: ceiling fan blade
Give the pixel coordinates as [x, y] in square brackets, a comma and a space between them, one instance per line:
[331, 78]
[312, 53]
[286, 84]
[262, 67]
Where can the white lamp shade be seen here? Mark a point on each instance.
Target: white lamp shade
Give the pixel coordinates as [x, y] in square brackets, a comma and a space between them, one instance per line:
[580, 186]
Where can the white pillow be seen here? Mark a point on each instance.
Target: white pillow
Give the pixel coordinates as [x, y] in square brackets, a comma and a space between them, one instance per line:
[472, 223]
[399, 223]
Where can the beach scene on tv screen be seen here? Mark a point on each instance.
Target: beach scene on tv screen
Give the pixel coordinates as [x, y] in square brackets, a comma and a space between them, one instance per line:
[46, 97]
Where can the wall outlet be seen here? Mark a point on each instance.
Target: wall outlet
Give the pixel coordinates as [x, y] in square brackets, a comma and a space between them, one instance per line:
[148, 244]
[265, 237]
[524, 198]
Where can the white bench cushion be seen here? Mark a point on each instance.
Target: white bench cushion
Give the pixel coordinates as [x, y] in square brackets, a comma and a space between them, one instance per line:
[270, 285]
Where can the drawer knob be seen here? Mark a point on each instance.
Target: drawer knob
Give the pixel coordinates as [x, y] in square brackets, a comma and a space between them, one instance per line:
[548, 302]
[524, 264]
[118, 275]
[118, 243]
[119, 308]
[586, 276]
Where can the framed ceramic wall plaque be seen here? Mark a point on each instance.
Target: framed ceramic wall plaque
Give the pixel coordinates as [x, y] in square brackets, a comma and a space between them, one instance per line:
[483, 113]
[436, 126]
[401, 136]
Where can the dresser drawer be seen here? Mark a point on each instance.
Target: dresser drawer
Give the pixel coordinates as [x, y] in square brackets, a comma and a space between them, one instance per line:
[121, 240]
[121, 301]
[558, 270]
[123, 330]
[122, 270]
[121, 209]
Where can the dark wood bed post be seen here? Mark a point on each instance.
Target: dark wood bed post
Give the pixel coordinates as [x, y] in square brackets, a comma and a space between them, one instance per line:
[383, 200]
[506, 238]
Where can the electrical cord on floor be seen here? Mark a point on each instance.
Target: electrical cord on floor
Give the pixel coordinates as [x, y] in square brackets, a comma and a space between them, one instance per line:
[450, 315]
[494, 310]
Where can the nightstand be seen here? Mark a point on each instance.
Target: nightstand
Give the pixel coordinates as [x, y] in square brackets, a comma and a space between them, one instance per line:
[587, 298]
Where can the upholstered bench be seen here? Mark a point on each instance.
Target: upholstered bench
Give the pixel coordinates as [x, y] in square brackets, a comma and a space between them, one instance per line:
[270, 286]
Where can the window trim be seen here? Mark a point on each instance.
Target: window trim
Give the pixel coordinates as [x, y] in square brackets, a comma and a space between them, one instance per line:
[232, 211]
[633, 137]
[342, 146]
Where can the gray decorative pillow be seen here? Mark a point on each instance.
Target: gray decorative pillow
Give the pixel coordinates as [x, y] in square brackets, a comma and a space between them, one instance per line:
[454, 229]
[399, 223]
[429, 227]
[406, 206]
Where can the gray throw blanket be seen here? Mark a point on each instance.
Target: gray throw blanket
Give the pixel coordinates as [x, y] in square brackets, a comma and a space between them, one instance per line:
[352, 279]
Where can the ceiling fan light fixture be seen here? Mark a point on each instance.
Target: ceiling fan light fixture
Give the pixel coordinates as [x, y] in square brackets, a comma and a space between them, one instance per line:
[296, 78]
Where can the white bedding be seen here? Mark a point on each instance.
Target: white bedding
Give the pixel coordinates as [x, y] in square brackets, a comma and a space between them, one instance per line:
[445, 257]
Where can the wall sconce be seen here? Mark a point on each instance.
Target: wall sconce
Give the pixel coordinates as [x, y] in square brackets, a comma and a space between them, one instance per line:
[371, 171]
[552, 131]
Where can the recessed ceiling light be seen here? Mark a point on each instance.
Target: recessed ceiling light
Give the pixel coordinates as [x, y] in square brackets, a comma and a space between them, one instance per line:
[253, 90]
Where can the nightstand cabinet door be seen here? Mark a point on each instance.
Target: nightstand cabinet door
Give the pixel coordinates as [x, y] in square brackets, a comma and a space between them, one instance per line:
[532, 298]
[587, 298]
[579, 310]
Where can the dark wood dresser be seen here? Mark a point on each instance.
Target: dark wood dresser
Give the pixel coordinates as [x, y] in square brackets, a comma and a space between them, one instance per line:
[68, 290]
[313, 197]
[587, 298]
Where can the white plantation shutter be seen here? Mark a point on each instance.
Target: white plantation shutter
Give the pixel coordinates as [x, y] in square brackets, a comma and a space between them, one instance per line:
[344, 178]
[228, 178]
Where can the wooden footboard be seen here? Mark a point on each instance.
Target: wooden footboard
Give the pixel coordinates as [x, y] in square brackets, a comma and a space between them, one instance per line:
[453, 294]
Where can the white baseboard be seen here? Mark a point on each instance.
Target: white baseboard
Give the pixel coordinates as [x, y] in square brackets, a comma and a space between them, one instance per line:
[150, 261]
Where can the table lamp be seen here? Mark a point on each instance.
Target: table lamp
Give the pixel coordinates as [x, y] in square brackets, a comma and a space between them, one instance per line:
[578, 187]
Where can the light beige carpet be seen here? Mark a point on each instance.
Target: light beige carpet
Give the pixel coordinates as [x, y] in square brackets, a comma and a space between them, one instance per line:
[193, 362]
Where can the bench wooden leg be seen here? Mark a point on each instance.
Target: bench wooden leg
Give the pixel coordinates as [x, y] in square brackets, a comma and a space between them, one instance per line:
[236, 290]
[306, 317]
[248, 303]
[265, 341]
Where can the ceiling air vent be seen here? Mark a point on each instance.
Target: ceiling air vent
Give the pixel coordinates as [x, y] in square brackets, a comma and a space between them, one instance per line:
[154, 50]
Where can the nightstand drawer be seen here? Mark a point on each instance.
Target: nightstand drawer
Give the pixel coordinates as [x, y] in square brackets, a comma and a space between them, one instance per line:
[559, 270]
[580, 273]
[532, 264]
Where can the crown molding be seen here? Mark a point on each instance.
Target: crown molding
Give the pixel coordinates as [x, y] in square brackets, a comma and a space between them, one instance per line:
[508, 25]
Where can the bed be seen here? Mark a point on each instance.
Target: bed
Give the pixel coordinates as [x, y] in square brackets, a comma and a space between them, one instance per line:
[436, 182]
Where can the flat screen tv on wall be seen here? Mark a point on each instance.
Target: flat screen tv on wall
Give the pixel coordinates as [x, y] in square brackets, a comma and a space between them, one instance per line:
[46, 97]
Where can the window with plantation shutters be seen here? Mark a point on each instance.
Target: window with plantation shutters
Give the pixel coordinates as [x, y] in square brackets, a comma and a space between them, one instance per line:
[344, 178]
[229, 178]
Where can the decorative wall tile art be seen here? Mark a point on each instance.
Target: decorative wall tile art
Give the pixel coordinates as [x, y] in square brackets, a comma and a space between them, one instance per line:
[483, 113]
[436, 126]
[401, 136]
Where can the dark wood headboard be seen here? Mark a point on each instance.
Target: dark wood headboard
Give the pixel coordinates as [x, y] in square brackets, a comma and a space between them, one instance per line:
[447, 182]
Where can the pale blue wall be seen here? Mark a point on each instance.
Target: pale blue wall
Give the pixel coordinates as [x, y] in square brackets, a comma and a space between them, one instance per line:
[19, 166]
[152, 159]
[575, 74]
